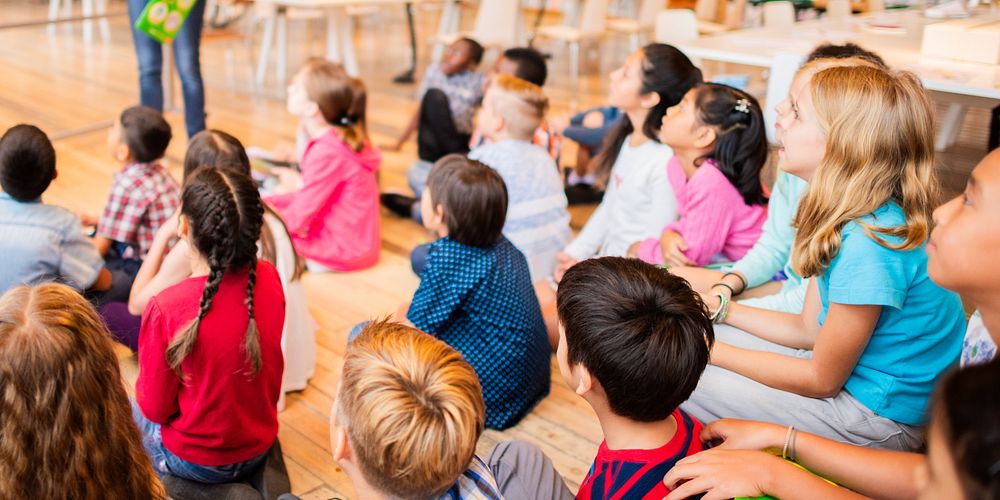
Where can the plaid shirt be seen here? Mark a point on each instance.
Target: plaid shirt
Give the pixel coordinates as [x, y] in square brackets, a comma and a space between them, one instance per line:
[142, 197]
[476, 483]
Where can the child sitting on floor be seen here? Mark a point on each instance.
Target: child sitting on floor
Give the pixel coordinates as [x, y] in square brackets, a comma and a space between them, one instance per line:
[475, 292]
[210, 362]
[717, 134]
[633, 341]
[537, 219]
[407, 417]
[331, 207]
[142, 196]
[41, 242]
[449, 95]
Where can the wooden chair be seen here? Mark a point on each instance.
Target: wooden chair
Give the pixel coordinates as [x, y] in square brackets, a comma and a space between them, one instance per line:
[498, 25]
[593, 24]
[676, 26]
[645, 22]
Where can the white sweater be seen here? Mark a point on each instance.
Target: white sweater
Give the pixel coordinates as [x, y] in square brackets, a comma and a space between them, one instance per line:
[637, 204]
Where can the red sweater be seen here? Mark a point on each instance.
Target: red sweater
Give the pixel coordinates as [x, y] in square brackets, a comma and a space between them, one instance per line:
[219, 416]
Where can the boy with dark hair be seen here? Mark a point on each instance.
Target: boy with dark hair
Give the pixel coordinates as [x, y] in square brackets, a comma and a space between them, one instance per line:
[475, 290]
[525, 63]
[833, 51]
[633, 342]
[40, 242]
[142, 196]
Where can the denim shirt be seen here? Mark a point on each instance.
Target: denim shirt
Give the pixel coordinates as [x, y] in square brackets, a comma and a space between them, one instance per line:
[40, 243]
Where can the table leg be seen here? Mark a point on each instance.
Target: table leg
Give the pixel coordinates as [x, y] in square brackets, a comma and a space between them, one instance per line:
[281, 71]
[87, 8]
[266, 40]
[450, 23]
[950, 125]
[345, 28]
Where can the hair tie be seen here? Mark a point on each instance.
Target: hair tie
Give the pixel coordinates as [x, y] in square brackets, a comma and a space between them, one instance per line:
[743, 106]
[347, 121]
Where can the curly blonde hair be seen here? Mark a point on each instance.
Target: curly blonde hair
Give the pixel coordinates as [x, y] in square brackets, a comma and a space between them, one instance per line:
[66, 429]
[880, 148]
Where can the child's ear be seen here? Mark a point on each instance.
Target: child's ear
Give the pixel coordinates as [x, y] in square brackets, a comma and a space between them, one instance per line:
[706, 137]
[123, 153]
[439, 215]
[338, 439]
[649, 100]
[183, 228]
[585, 381]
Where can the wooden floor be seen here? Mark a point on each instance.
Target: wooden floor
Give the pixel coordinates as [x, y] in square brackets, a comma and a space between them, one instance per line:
[73, 89]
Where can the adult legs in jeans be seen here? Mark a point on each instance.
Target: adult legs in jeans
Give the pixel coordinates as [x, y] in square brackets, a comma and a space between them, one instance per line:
[725, 394]
[165, 462]
[437, 135]
[187, 46]
[523, 471]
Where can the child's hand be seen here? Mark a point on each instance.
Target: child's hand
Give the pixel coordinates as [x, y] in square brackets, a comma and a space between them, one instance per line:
[168, 231]
[733, 434]
[673, 247]
[633, 250]
[722, 474]
[564, 261]
[594, 119]
[284, 152]
[289, 180]
[88, 219]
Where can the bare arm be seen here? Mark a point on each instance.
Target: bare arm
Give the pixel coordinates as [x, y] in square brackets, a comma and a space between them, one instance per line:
[103, 281]
[797, 331]
[161, 268]
[103, 244]
[836, 352]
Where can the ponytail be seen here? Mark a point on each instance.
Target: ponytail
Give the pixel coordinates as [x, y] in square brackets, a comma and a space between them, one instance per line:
[342, 100]
[740, 150]
[665, 71]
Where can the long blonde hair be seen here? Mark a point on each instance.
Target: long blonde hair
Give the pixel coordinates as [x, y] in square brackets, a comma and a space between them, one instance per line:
[66, 428]
[879, 148]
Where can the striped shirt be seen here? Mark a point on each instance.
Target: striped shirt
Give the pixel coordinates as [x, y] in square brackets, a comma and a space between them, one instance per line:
[476, 483]
[537, 218]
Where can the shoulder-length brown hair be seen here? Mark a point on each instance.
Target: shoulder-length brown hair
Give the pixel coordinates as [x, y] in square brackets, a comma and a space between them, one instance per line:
[66, 428]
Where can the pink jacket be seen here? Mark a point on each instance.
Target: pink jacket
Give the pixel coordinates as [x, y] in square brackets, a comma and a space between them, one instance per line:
[713, 218]
[334, 218]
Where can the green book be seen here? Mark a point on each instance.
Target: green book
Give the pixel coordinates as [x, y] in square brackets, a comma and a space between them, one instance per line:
[162, 19]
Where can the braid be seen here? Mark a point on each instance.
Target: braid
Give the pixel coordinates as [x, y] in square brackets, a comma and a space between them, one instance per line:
[182, 344]
[251, 341]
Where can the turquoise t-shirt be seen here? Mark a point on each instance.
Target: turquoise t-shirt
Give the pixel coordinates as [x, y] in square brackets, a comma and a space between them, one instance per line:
[919, 333]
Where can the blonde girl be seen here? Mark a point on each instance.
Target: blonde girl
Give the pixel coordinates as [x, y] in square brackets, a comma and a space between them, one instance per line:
[66, 429]
[859, 362]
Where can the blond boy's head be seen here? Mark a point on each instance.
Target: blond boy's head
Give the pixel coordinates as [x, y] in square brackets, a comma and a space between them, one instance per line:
[513, 106]
[410, 409]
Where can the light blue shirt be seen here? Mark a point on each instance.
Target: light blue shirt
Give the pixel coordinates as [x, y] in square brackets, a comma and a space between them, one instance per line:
[40, 243]
[772, 251]
[919, 333]
[537, 216]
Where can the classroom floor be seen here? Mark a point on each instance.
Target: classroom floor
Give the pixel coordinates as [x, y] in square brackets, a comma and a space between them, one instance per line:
[72, 89]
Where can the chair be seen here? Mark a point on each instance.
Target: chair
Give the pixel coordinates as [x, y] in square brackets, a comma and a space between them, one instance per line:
[497, 25]
[88, 8]
[779, 15]
[267, 482]
[676, 26]
[645, 22]
[593, 23]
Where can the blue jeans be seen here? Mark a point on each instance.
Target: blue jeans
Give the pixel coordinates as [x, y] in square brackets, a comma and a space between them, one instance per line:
[186, 59]
[165, 462]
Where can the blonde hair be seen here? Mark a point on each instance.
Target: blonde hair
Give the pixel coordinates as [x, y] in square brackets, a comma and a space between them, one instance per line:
[342, 100]
[879, 148]
[66, 429]
[413, 409]
[520, 103]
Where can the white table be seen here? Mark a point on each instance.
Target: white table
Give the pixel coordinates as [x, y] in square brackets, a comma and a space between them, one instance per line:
[958, 83]
[339, 30]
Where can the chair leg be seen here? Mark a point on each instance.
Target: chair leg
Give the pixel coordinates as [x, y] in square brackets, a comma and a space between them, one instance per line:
[633, 42]
[949, 126]
[574, 61]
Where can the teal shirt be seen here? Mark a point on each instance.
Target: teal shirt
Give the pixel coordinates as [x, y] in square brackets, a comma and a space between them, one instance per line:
[919, 333]
[772, 251]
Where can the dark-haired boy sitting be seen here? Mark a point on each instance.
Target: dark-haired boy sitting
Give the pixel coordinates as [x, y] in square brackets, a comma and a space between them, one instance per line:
[633, 342]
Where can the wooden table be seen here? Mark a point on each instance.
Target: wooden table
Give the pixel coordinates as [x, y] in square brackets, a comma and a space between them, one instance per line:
[339, 30]
[959, 84]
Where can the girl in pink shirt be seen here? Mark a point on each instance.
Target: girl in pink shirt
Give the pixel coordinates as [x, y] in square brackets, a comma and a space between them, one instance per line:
[717, 134]
[331, 207]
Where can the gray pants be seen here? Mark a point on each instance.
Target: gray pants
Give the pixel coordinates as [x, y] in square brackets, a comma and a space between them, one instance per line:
[523, 472]
[725, 394]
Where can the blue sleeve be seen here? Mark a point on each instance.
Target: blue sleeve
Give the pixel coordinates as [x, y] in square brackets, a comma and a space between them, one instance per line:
[867, 273]
[439, 296]
[771, 252]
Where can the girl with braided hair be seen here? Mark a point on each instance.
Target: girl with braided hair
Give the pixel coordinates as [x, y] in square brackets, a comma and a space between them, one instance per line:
[210, 361]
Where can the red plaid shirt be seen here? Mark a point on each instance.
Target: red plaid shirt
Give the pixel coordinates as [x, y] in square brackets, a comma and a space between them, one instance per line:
[142, 197]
